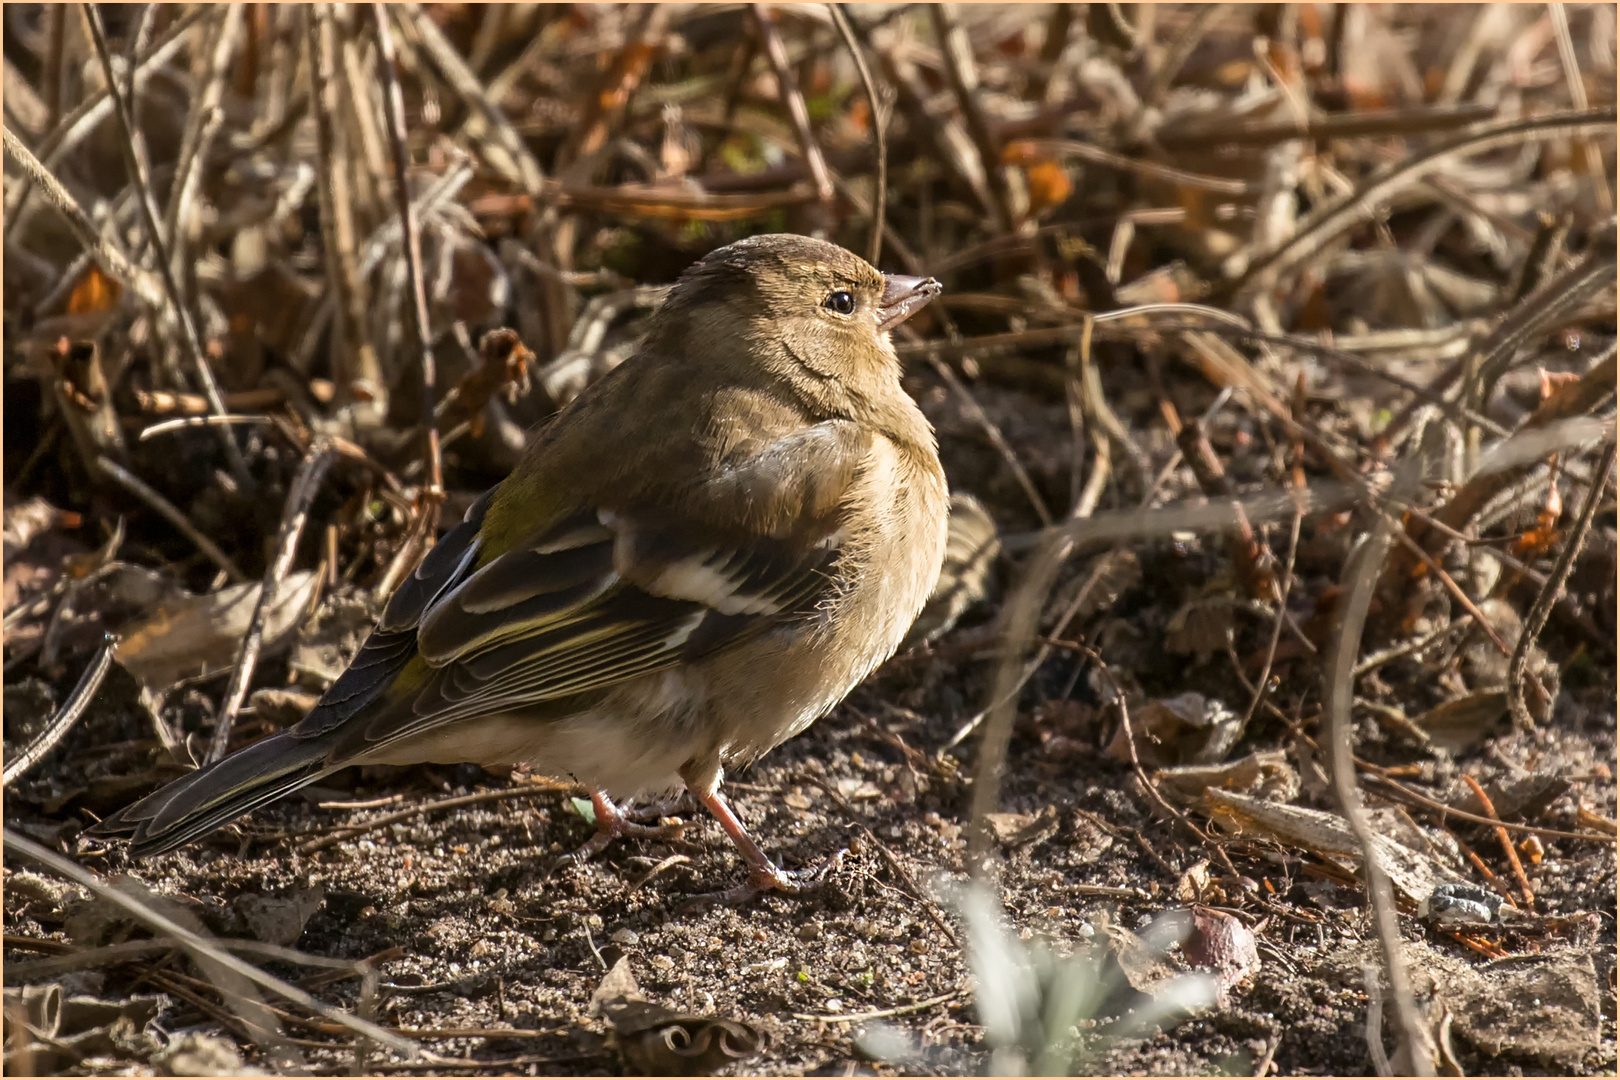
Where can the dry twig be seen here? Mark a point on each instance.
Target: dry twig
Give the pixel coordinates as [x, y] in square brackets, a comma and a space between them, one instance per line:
[325, 450]
[1414, 1051]
[65, 718]
[1537, 618]
[880, 123]
[413, 254]
[200, 946]
[177, 310]
[793, 100]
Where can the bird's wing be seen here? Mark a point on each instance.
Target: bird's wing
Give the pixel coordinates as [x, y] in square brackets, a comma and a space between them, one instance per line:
[391, 646]
[608, 594]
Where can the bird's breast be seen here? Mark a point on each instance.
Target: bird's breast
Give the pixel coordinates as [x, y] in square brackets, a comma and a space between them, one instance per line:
[895, 524]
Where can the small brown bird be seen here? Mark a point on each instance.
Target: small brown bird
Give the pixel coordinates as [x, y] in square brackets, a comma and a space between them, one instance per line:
[697, 558]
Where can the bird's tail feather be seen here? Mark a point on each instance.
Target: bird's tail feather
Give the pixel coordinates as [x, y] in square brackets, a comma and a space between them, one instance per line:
[202, 801]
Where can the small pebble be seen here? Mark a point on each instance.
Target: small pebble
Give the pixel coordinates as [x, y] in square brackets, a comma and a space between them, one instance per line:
[626, 936]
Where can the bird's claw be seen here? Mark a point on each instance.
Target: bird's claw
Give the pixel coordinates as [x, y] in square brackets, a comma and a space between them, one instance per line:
[616, 826]
[772, 878]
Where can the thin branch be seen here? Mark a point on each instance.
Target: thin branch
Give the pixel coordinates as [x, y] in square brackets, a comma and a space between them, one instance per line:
[413, 247]
[1362, 204]
[880, 198]
[64, 720]
[200, 945]
[1577, 96]
[1375, 1020]
[1044, 86]
[1412, 120]
[117, 265]
[1527, 896]
[201, 127]
[321, 454]
[360, 365]
[963, 76]
[1098, 155]
[149, 211]
[1179, 50]
[465, 83]
[788, 87]
[50, 76]
[378, 245]
[1543, 606]
[1020, 617]
[997, 439]
[1554, 301]
[1415, 1054]
[172, 513]
[1454, 515]
[103, 956]
[97, 106]
[535, 786]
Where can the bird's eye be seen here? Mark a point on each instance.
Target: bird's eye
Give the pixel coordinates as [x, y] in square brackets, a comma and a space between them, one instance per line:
[841, 302]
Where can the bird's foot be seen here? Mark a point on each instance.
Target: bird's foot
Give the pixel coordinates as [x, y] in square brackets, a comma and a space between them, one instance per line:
[763, 875]
[613, 823]
[769, 877]
[680, 804]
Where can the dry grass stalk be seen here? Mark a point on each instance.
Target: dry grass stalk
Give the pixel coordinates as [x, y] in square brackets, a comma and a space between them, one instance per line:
[395, 109]
[65, 718]
[322, 453]
[358, 374]
[200, 945]
[1554, 584]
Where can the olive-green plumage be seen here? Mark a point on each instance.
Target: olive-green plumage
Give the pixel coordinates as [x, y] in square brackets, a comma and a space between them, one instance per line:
[695, 559]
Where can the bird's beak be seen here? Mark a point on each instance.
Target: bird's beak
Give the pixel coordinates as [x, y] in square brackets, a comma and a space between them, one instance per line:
[903, 297]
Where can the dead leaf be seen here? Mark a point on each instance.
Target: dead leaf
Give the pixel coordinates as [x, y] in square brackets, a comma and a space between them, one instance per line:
[279, 920]
[1557, 1031]
[92, 922]
[39, 1006]
[619, 984]
[1265, 773]
[654, 1041]
[657, 1042]
[29, 705]
[67, 1030]
[1194, 883]
[93, 292]
[328, 639]
[1049, 185]
[1414, 874]
[1518, 797]
[1187, 728]
[197, 1054]
[283, 708]
[1022, 830]
[1464, 722]
[30, 518]
[1201, 628]
[198, 634]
